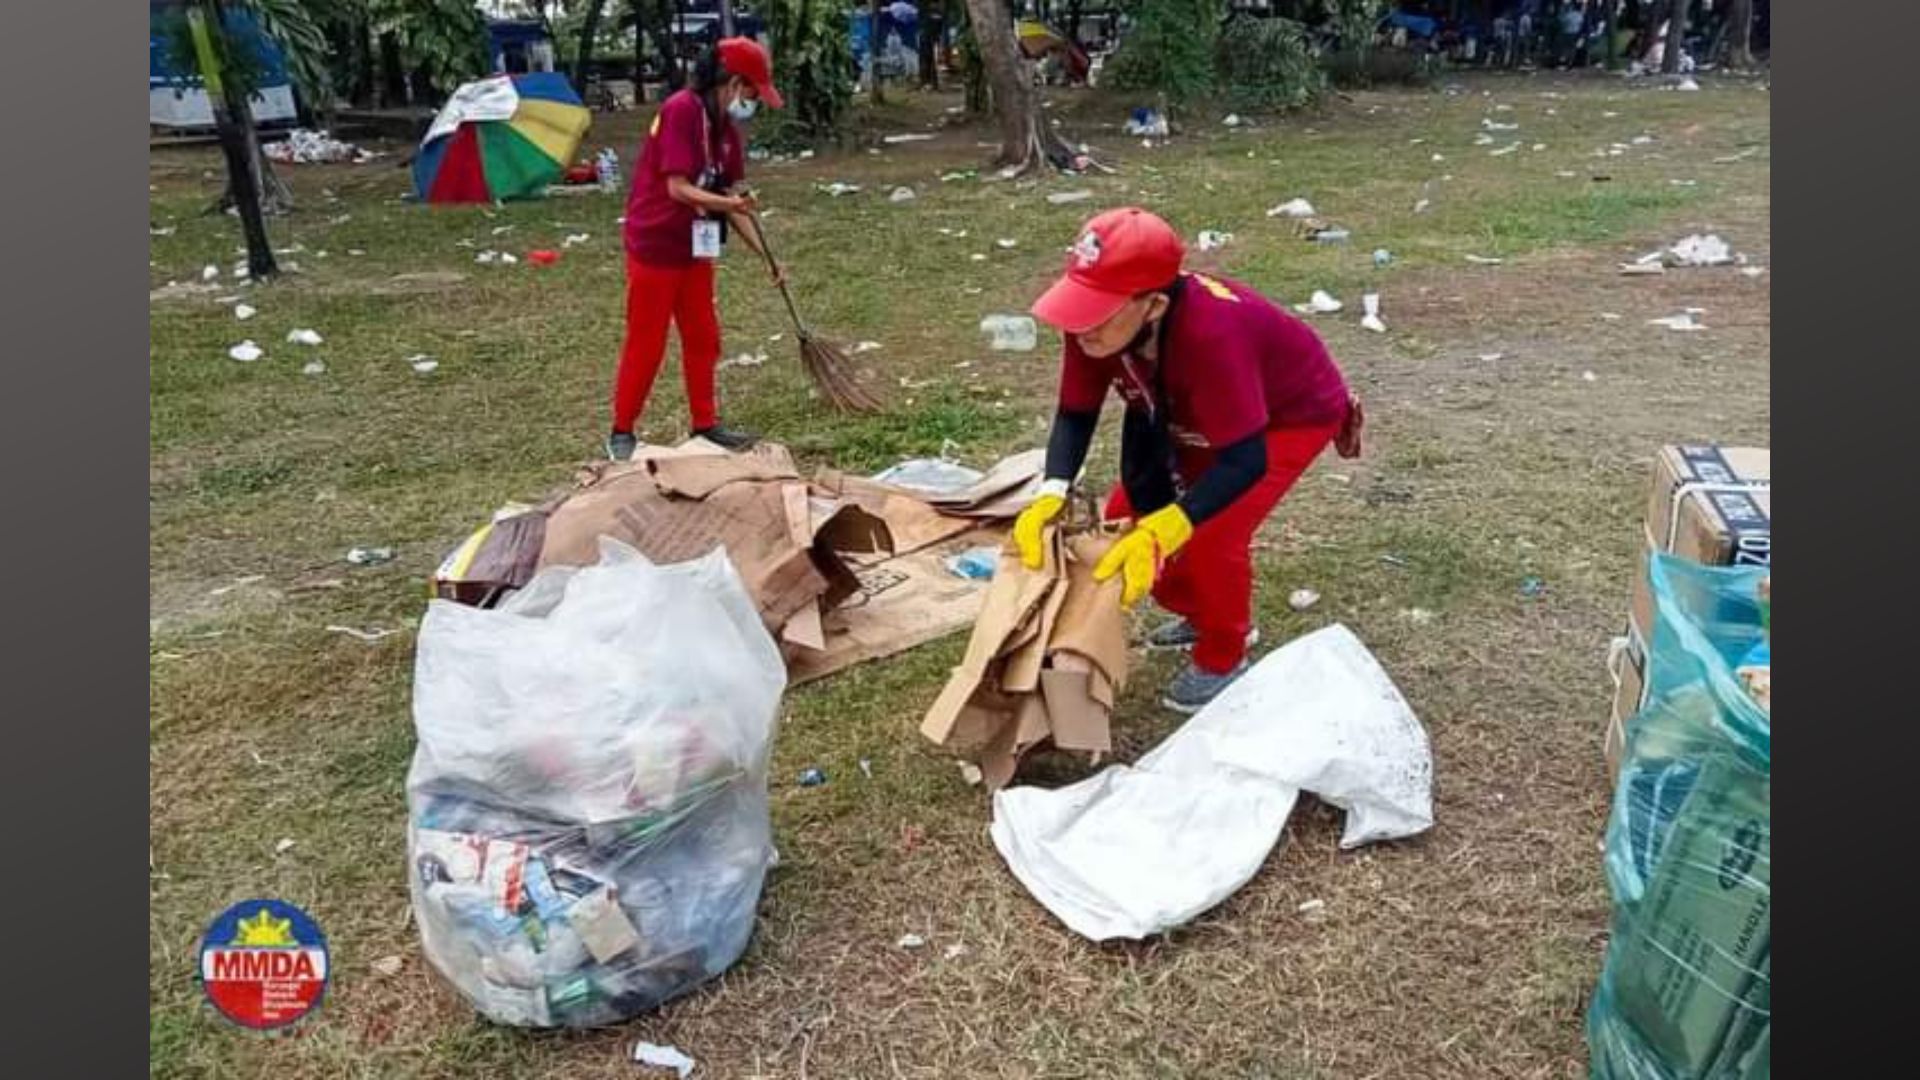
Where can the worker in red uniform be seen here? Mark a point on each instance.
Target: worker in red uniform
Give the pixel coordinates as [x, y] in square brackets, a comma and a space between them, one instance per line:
[1228, 400]
[686, 192]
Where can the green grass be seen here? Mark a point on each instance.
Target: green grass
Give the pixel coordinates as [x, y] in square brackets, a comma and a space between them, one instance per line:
[265, 725]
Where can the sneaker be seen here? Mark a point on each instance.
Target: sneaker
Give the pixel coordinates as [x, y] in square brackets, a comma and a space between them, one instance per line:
[727, 438]
[1192, 689]
[1180, 634]
[621, 445]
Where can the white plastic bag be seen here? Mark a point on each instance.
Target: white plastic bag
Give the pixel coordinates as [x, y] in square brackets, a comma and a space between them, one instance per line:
[588, 829]
[1136, 850]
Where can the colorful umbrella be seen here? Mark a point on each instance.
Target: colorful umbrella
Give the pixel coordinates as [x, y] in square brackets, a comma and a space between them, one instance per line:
[506, 137]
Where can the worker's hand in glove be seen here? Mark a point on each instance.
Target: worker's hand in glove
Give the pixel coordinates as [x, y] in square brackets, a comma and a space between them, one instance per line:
[1032, 522]
[1138, 555]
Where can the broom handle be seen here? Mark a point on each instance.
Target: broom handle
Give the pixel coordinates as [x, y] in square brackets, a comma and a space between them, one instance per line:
[766, 250]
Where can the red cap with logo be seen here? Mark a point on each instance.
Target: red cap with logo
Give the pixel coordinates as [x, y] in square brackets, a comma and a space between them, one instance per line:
[1120, 254]
[748, 59]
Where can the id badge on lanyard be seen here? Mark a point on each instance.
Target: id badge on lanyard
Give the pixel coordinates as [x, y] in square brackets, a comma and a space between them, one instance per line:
[706, 230]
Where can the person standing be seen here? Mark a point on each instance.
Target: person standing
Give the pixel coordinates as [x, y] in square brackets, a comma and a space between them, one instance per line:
[1228, 400]
[686, 194]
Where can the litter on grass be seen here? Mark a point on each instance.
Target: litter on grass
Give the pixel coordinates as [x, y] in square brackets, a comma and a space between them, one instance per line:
[1062, 198]
[1209, 239]
[837, 189]
[663, 1057]
[1370, 302]
[1302, 599]
[1320, 303]
[1683, 321]
[1293, 208]
[243, 312]
[1484, 260]
[246, 352]
[902, 194]
[907, 138]
[303, 337]
[368, 636]
[313, 367]
[1700, 250]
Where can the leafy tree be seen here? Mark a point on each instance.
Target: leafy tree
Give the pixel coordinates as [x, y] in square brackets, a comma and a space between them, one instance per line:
[1170, 50]
[812, 65]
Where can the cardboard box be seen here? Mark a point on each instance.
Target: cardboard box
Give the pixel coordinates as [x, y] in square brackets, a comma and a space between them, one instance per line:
[1711, 504]
[1628, 665]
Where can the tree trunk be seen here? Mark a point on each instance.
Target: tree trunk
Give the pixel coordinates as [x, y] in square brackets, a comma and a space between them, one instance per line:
[1612, 31]
[929, 37]
[1739, 30]
[1676, 38]
[1073, 22]
[676, 11]
[1025, 139]
[639, 10]
[589, 29]
[233, 118]
[873, 50]
[726, 18]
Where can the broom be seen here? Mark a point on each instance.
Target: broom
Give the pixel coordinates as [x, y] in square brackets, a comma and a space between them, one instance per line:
[826, 365]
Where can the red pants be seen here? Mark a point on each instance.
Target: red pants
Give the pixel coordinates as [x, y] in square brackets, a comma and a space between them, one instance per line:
[1209, 582]
[656, 296]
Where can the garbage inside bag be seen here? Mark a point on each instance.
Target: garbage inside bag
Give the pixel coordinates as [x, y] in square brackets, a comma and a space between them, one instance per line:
[1136, 850]
[587, 808]
[1687, 987]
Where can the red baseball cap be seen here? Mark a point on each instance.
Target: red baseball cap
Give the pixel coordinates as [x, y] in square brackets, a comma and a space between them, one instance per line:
[1120, 254]
[748, 59]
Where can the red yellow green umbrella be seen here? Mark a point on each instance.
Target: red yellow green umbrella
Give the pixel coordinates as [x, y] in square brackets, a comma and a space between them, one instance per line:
[507, 137]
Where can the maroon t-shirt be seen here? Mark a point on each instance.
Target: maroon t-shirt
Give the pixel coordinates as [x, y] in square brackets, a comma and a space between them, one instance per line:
[1235, 365]
[681, 140]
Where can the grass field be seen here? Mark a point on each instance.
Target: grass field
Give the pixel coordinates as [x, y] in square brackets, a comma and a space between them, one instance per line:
[1513, 410]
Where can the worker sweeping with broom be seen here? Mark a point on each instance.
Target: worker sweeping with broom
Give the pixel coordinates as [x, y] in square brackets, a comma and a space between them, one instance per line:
[1228, 400]
[686, 194]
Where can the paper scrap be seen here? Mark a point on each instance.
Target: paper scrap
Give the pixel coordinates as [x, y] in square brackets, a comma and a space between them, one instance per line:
[663, 1057]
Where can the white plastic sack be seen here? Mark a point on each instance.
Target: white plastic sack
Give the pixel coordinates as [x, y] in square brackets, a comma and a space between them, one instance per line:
[1134, 851]
[588, 829]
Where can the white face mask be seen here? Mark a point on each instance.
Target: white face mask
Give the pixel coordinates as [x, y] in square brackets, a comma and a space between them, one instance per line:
[742, 109]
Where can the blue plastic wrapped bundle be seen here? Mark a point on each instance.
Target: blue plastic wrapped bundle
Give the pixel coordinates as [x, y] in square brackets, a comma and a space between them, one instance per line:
[1687, 988]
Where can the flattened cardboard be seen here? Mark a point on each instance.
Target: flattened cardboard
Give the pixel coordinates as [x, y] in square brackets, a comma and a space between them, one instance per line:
[911, 522]
[1019, 686]
[750, 520]
[695, 476]
[1077, 719]
[497, 558]
[895, 605]
[1013, 596]
[1007, 474]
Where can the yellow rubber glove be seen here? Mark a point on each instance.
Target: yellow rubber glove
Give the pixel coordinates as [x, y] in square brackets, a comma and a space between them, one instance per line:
[1033, 521]
[1137, 556]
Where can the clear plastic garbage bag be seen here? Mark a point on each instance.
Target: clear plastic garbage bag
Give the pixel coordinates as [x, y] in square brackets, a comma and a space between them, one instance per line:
[588, 828]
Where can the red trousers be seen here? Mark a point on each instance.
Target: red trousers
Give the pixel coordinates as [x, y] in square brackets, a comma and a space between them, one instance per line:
[656, 296]
[1209, 581]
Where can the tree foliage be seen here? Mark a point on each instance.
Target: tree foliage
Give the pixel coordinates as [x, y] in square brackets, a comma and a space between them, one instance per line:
[1170, 50]
[444, 39]
[812, 65]
[1269, 64]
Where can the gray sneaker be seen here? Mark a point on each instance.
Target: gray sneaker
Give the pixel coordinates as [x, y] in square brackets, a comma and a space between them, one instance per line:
[1193, 688]
[1180, 634]
[620, 446]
